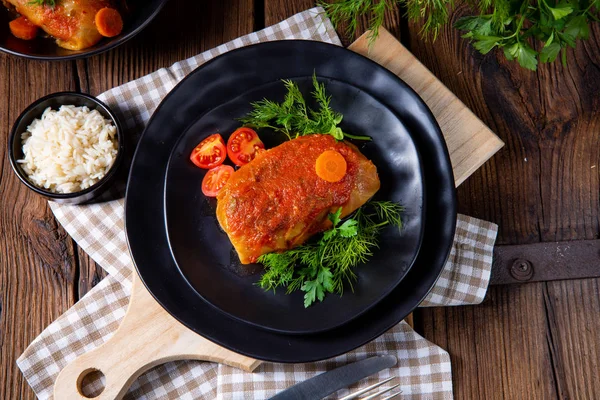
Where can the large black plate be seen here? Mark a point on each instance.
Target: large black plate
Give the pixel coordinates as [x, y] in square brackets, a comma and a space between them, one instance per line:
[41, 48]
[222, 80]
[206, 257]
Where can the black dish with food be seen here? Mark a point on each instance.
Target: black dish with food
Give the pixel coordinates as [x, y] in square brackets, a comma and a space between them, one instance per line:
[219, 82]
[140, 14]
[193, 229]
[35, 110]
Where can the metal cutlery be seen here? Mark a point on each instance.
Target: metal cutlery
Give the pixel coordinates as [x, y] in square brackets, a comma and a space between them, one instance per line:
[330, 382]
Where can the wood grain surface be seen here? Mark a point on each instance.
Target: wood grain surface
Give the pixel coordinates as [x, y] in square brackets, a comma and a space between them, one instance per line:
[542, 186]
[470, 143]
[538, 340]
[147, 336]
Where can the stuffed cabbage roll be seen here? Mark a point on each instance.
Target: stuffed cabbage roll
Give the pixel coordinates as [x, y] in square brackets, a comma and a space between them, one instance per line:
[277, 201]
[70, 22]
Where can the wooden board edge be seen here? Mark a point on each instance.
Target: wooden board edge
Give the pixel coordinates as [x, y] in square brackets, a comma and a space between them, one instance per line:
[492, 143]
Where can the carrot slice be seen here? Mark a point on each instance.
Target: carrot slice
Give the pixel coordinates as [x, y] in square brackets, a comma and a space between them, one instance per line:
[108, 22]
[331, 166]
[23, 28]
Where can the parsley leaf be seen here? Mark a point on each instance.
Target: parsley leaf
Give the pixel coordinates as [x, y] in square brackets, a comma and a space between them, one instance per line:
[311, 289]
[335, 217]
[567, 39]
[560, 12]
[327, 235]
[578, 27]
[486, 43]
[525, 55]
[470, 23]
[348, 228]
[550, 52]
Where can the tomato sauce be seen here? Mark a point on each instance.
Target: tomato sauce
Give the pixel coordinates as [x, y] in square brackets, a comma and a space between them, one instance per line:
[278, 197]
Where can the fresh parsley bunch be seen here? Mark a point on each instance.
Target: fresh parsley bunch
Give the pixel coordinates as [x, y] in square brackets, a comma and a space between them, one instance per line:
[518, 27]
[511, 26]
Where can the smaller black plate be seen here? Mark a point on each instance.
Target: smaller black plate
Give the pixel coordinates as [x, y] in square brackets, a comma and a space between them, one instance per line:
[207, 259]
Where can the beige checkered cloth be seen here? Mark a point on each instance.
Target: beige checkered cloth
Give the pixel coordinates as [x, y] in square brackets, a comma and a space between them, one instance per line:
[423, 369]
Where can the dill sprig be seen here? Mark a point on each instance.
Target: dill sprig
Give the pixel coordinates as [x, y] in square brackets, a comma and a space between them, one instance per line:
[433, 13]
[294, 118]
[349, 11]
[326, 266]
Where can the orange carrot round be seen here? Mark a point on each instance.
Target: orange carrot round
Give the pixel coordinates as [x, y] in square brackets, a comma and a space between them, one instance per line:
[23, 29]
[331, 166]
[108, 22]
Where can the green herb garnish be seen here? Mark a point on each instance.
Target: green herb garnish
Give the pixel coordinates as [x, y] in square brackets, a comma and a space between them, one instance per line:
[515, 26]
[323, 267]
[434, 13]
[294, 118]
[50, 3]
[557, 27]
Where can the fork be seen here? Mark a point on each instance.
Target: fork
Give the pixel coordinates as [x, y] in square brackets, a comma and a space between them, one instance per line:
[360, 392]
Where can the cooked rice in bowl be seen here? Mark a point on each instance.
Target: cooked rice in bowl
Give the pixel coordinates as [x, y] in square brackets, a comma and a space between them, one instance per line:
[68, 150]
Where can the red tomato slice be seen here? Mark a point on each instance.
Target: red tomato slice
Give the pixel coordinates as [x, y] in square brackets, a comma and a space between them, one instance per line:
[215, 179]
[210, 152]
[243, 145]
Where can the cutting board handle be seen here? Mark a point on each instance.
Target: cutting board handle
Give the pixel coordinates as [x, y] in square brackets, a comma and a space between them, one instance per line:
[147, 337]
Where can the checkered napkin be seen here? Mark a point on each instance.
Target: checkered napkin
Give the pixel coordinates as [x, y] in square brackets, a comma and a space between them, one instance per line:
[423, 368]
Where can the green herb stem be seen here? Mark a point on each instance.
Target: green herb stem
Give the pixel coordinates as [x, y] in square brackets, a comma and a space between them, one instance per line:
[357, 137]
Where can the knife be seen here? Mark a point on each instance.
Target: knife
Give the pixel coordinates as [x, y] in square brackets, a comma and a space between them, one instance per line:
[330, 382]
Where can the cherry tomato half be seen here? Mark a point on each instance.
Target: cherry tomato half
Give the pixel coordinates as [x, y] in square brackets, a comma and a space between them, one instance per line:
[210, 152]
[215, 179]
[243, 145]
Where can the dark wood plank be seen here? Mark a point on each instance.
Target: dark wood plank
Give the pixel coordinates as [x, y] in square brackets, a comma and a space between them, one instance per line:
[278, 10]
[37, 258]
[39, 279]
[572, 308]
[543, 186]
[499, 349]
[182, 30]
[546, 261]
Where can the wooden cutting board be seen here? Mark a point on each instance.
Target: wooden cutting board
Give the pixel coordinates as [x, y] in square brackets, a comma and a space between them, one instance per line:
[470, 142]
[149, 336]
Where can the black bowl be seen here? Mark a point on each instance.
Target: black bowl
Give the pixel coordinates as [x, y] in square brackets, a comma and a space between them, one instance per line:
[40, 48]
[35, 110]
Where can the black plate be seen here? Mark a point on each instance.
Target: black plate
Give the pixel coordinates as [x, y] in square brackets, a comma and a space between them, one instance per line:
[222, 80]
[206, 257]
[45, 48]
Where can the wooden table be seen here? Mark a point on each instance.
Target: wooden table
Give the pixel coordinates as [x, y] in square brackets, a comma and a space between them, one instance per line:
[536, 340]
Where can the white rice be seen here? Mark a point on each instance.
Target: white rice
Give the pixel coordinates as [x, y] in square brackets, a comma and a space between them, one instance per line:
[68, 150]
